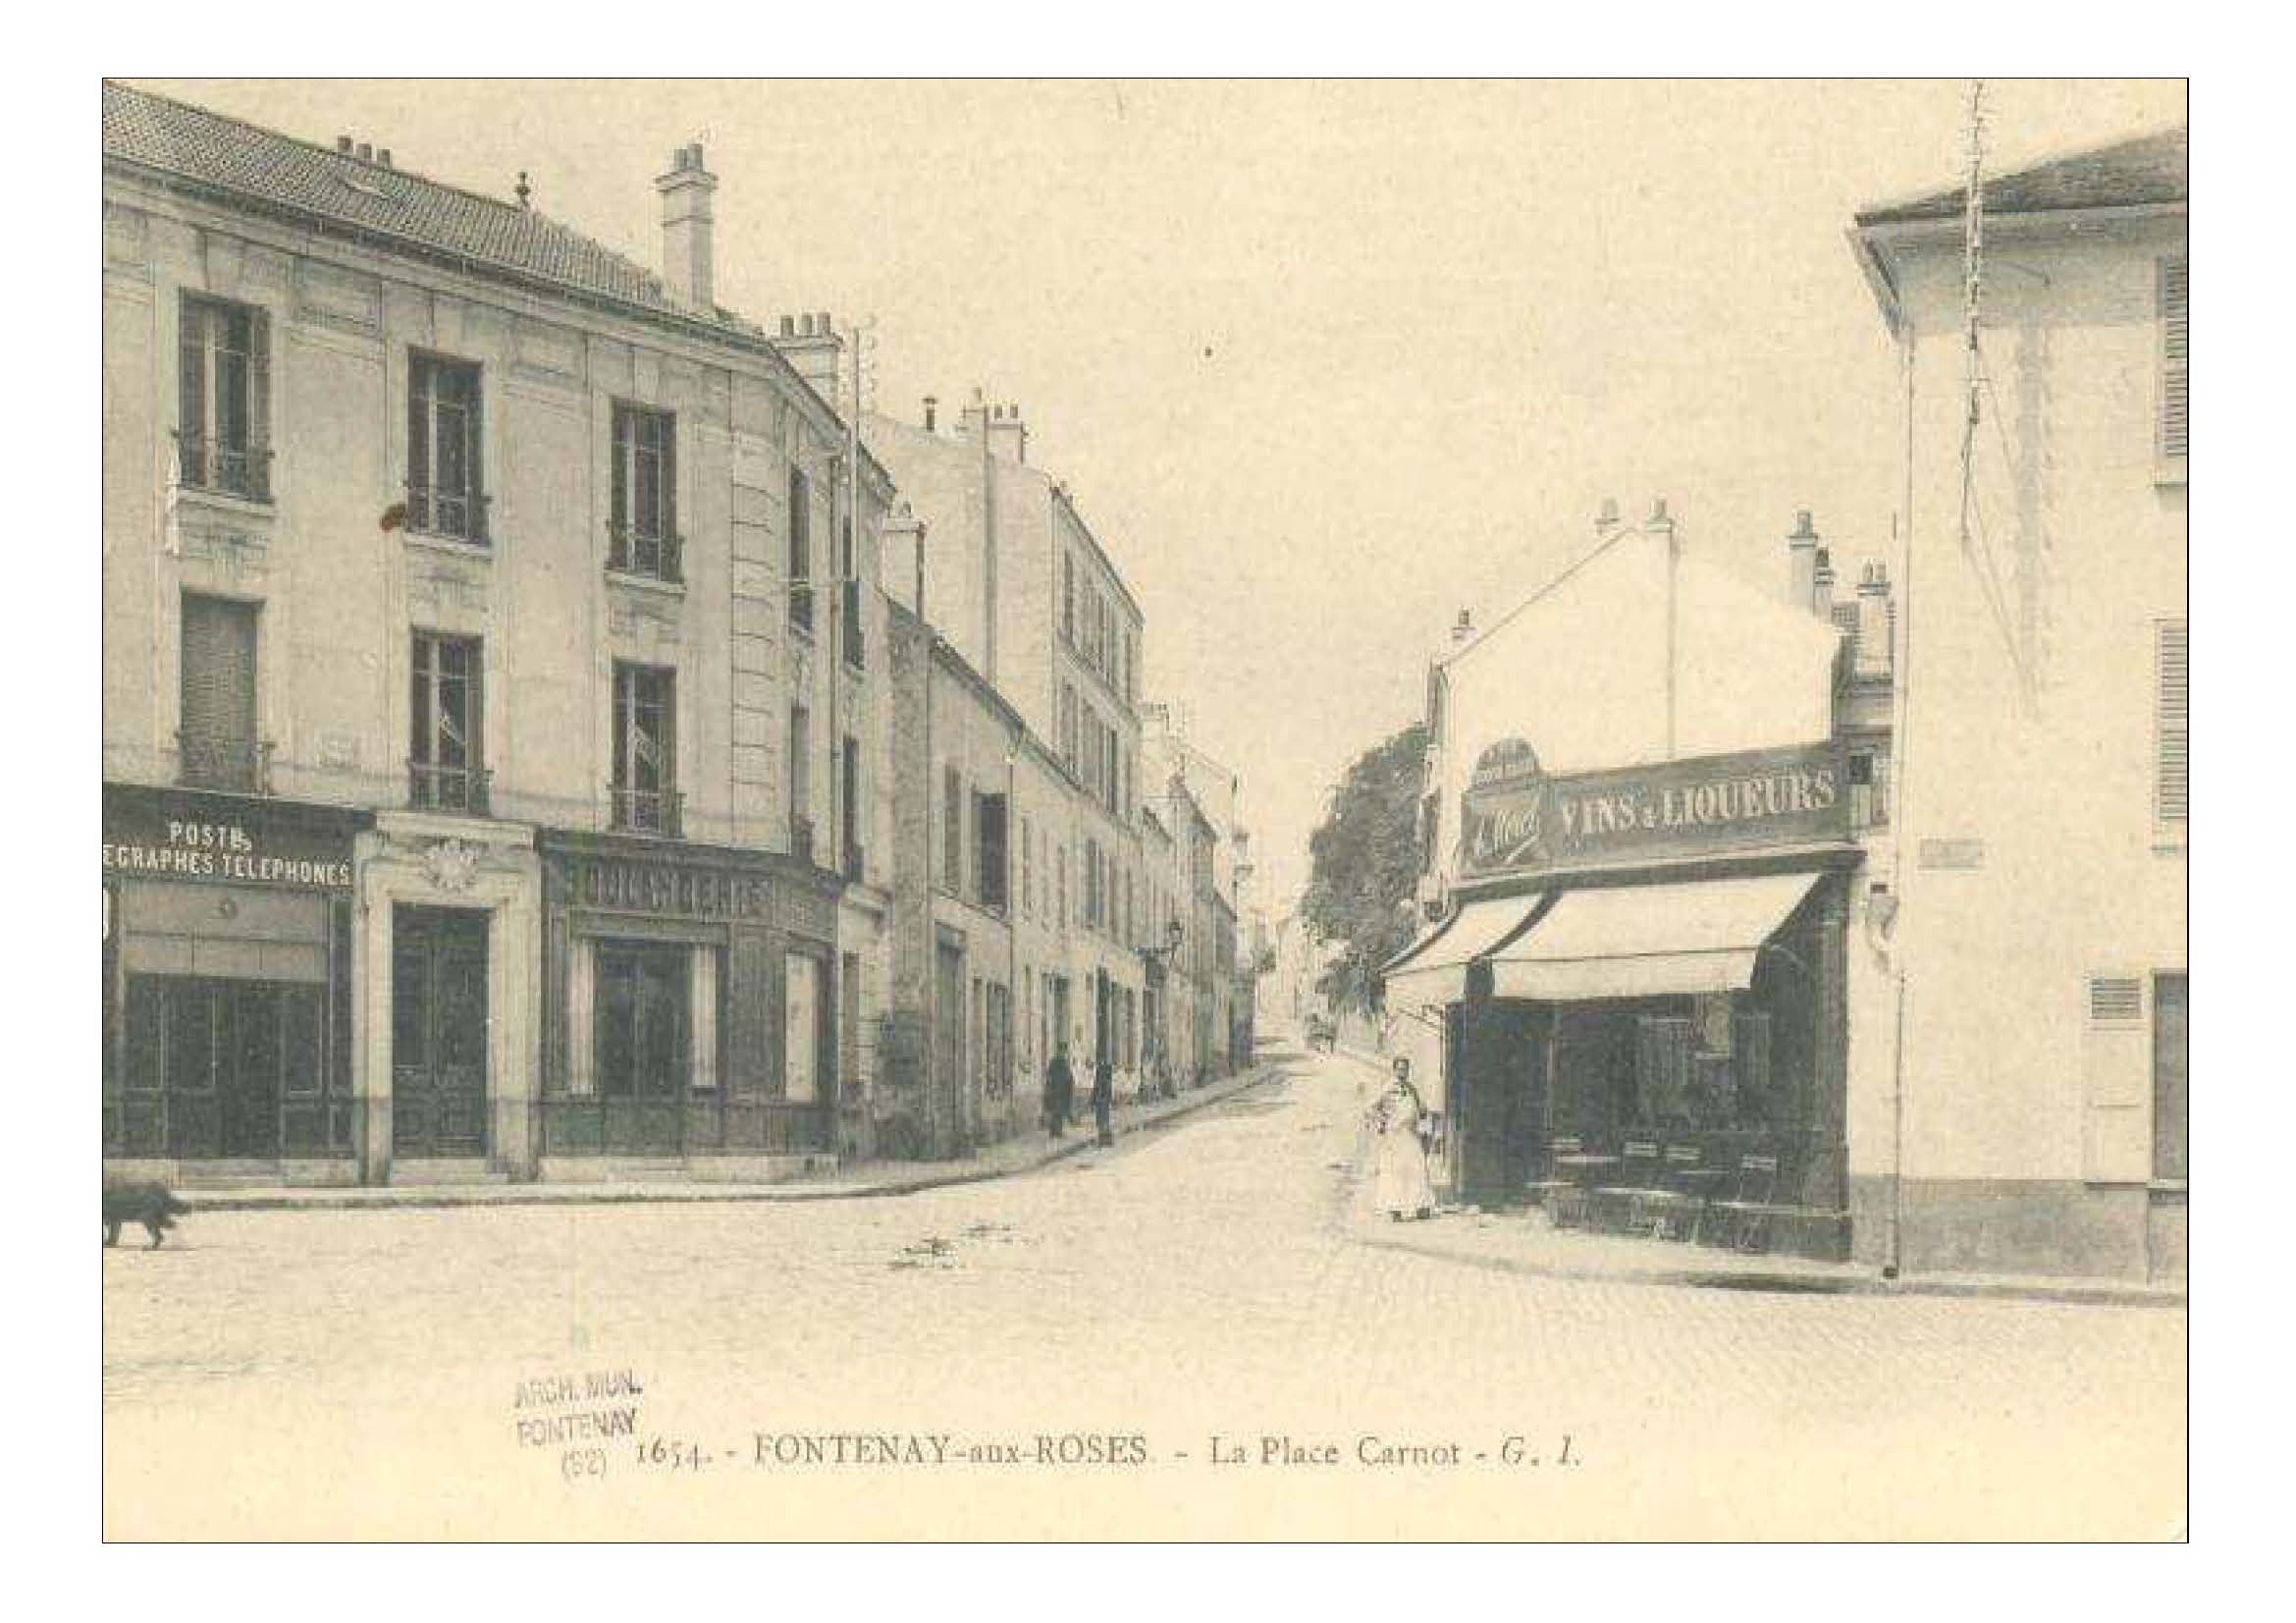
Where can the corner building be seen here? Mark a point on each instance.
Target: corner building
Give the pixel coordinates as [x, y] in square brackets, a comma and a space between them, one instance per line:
[489, 730]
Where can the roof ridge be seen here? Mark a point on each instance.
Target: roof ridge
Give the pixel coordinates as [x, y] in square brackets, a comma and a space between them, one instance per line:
[507, 209]
[326, 151]
[1934, 196]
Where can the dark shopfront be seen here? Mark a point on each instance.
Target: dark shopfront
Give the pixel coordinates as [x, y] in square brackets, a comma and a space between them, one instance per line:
[227, 963]
[1655, 1046]
[689, 1005]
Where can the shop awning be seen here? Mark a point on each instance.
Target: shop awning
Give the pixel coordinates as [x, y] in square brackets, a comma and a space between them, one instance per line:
[1434, 971]
[1645, 941]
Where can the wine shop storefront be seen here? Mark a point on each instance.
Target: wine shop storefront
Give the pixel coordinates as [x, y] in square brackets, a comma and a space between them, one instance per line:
[689, 1009]
[227, 1008]
[1640, 993]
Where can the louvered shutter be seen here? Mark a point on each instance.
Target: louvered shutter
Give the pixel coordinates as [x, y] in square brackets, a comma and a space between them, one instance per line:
[2173, 720]
[2173, 372]
[2116, 999]
[219, 690]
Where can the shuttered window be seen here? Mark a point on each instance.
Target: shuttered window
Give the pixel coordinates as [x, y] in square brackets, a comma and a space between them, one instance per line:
[2116, 999]
[2173, 370]
[2172, 720]
[218, 737]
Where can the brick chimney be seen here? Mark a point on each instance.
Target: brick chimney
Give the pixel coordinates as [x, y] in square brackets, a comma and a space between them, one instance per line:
[1801, 573]
[1008, 436]
[812, 345]
[1873, 653]
[687, 270]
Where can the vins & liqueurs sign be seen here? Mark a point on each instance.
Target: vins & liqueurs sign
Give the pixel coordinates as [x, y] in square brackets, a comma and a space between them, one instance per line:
[1518, 820]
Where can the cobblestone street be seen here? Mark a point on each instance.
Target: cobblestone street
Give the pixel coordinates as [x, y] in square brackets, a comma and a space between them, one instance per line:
[331, 1371]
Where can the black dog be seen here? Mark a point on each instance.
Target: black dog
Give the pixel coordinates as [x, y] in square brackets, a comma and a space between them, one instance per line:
[149, 1204]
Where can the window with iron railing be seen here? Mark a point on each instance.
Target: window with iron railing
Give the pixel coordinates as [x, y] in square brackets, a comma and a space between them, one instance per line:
[444, 493]
[444, 765]
[849, 625]
[223, 421]
[642, 526]
[800, 551]
[645, 794]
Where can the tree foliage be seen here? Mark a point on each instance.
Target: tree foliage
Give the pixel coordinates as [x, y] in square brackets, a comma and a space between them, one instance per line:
[1366, 863]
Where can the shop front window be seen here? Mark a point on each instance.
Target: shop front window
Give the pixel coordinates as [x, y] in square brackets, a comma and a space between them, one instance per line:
[642, 1048]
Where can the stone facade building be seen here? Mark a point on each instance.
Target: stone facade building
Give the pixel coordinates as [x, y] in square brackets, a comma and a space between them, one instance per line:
[492, 748]
[2040, 881]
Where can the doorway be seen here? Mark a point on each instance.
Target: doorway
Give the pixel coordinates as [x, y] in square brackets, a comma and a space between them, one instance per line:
[438, 1032]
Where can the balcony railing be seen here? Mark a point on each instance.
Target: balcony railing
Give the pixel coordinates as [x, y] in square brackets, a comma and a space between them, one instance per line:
[850, 630]
[243, 470]
[238, 764]
[432, 788]
[648, 811]
[631, 551]
[461, 513]
[801, 839]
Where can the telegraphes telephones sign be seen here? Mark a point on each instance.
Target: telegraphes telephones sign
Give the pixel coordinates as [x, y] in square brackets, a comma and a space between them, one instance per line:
[1514, 819]
[157, 834]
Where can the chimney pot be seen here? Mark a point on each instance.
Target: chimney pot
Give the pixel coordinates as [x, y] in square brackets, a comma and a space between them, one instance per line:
[1608, 518]
[789, 326]
[366, 152]
[1658, 512]
[343, 145]
[382, 156]
[523, 191]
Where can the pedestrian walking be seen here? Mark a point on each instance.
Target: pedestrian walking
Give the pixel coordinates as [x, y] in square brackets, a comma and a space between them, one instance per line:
[1399, 1117]
[1059, 1093]
[1104, 1099]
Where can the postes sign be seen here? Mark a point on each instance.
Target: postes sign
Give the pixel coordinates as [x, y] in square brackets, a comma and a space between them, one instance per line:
[1516, 819]
[155, 834]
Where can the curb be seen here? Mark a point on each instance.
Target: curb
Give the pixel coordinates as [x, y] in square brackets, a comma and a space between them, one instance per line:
[1996, 1287]
[435, 1198]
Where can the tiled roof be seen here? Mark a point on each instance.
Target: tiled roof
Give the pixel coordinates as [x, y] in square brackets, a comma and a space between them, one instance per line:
[2148, 169]
[208, 150]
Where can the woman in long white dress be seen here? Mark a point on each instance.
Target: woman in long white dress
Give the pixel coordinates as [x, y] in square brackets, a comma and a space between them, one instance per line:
[1403, 1189]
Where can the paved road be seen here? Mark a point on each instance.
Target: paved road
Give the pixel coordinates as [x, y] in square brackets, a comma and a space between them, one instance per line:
[352, 1371]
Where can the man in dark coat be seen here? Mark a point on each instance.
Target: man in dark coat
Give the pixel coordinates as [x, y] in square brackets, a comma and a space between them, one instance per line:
[1103, 1097]
[1059, 1092]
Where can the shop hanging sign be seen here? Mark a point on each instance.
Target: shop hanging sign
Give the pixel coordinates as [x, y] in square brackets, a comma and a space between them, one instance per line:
[1516, 819]
[174, 838]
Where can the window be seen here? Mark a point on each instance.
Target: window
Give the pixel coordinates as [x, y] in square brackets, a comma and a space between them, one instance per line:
[444, 494]
[998, 1043]
[2173, 362]
[2170, 1100]
[1869, 801]
[849, 808]
[641, 1020]
[800, 550]
[644, 749]
[2172, 744]
[218, 743]
[1027, 868]
[952, 831]
[800, 783]
[804, 987]
[643, 527]
[444, 769]
[223, 426]
[990, 823]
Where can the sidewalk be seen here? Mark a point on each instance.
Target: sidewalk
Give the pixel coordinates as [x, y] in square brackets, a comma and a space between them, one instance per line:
[1022, 1153]
[1521, 1242]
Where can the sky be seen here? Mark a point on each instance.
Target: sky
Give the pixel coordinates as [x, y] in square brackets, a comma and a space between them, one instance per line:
[1322, 363]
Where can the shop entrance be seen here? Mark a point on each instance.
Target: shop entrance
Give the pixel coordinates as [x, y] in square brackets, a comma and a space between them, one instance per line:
[218, 1050]
[438, 1032]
